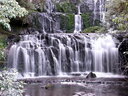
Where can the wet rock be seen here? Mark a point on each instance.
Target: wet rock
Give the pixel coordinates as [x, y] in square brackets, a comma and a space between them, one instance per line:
[84, 8]
[50, 23]
[75, 74]
[123, 46]
[89, 94]
[47, 86]
[123, 54]
[79, 94]
[91, 75]
[83, 94]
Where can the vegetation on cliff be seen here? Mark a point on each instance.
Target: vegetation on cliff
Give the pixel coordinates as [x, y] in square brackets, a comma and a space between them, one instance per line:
[86, 20]
[117, 14]
[67, 22]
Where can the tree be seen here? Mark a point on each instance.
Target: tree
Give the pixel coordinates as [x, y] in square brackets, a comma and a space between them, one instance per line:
[117, 13]
[10, 9]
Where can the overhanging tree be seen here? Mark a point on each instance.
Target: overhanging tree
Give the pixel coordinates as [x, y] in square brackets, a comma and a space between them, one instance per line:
[10, 9]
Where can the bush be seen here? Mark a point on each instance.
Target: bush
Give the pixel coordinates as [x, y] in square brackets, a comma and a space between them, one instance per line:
[94, 29]
[9, 86]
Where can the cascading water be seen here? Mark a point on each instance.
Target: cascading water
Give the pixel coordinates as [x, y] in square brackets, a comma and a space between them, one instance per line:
[78, 21]
[52, 54]
[99, 8]
[64, 54]
[49, 6]
[95, 10]
[102, 11]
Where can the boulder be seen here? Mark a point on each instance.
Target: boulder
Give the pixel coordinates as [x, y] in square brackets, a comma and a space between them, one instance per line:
[91, 75]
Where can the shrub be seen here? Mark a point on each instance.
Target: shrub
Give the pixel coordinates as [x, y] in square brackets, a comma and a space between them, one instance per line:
[94, 29]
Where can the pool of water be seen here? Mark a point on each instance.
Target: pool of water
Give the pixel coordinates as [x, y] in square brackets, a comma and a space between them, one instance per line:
[77, 89]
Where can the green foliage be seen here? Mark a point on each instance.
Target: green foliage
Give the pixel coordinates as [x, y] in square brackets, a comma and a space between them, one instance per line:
[2, 47]
[117, 13]
[10, 9]
[2, 41]
[67, 22]
[9, 86]
[94, 29]
[86, 20]
[66, 7]
[70, 22]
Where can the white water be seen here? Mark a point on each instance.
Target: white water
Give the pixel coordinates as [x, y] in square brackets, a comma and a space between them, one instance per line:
[78, 21]
[49, 6]
[99, 8]
[95, 10]
[102, 11]
[59, 55]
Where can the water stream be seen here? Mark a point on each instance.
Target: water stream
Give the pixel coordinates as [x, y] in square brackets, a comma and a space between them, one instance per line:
[78, 21]
[99, 10]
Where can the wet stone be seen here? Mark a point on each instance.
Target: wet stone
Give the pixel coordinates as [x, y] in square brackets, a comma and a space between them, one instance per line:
[84, 94]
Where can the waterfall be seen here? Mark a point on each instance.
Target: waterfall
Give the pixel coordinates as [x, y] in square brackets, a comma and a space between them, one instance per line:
[99, 8]
[49, 6]
[78, 21]
[95, 11]
[63, 54]
[102, 11]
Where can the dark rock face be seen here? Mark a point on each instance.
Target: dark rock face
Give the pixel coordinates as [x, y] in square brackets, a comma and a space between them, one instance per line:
[123, 46]
[123, 54]
[85, 9]
[43, 22]
[91, 75]
[50, 23]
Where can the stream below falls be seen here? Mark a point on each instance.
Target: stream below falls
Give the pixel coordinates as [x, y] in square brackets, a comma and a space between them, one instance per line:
[76, 86]
[94, 87]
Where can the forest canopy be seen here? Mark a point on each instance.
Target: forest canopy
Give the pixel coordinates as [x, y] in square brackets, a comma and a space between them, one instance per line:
[10, 9]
